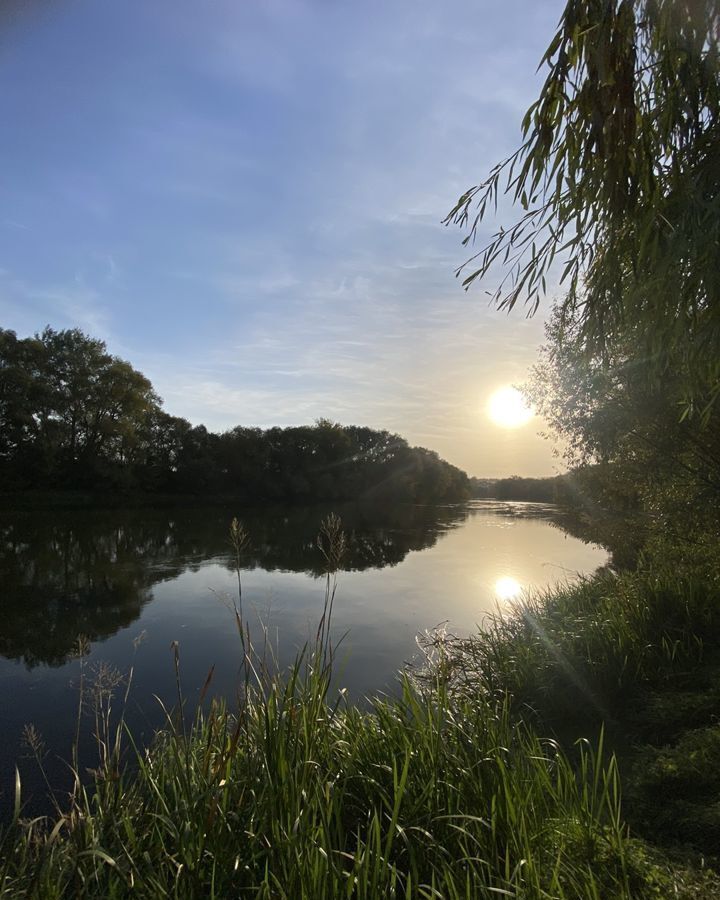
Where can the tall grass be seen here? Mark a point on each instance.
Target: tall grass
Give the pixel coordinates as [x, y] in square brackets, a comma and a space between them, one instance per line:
[585, 651]
[300, 799]
[296, 794]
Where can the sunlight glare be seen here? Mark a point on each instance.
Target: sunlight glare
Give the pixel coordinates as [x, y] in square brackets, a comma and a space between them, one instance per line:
[507, 588]
[507, 408]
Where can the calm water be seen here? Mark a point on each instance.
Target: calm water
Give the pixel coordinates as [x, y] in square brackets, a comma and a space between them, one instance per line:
[167, 576]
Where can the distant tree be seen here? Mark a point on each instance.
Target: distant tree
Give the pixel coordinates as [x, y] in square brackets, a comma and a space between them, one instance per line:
[198, 470]
[157, 454]
[20, 394]
[618, 176]
[72, 415]
[68, 409]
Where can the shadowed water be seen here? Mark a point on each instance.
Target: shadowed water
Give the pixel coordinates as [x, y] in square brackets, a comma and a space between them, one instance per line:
[164, 576]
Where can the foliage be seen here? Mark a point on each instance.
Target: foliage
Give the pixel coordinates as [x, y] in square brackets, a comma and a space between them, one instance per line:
[67, 407]
[622, 431]
[637, 653]
[433, 793]
[328, 461]
[534, 490]
[438, 792]
[687, 776]
[73, 416]
[579, 652]
[618, 177]
[298, 798]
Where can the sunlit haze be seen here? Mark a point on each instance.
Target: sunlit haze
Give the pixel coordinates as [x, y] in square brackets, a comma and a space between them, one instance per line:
[508, 408]
[245, 201]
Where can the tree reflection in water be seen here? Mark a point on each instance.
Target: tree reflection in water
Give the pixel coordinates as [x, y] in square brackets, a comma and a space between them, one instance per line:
[92, 572]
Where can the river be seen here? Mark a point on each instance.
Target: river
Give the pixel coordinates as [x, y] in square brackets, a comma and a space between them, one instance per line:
[134, 582]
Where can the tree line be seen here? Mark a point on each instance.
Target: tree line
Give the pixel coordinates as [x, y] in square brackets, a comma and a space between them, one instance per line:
[73, 416]
[516, 487]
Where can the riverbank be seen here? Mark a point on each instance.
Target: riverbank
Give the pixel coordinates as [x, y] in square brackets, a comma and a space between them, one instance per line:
[472, 783]
[636, 654]
[46, 500]
[38, 501]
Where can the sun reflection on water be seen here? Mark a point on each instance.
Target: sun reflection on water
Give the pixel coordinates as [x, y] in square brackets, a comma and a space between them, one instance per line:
[507, 588]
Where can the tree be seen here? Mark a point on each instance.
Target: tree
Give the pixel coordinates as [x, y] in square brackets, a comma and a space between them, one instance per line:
[68, 409]
[618, 176]
[623, 430]
[72, 415]
[21, 394]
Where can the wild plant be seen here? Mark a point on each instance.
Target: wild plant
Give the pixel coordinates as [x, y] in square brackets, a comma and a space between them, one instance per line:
[428, 794]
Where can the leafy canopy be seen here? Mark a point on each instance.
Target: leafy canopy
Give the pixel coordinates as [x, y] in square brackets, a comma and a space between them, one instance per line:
[618, 177]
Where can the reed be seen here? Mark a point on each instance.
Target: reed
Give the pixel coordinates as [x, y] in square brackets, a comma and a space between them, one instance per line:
[584, 652]
[434, 793]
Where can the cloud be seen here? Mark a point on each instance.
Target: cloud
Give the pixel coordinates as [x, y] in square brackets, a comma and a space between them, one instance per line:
[11, 223]
[246, 201]
[28, 308]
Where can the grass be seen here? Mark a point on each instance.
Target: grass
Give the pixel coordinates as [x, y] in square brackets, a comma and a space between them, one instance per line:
[584, 651]
[296, 798]
[446, 791]
[637, 652]
[686, 774]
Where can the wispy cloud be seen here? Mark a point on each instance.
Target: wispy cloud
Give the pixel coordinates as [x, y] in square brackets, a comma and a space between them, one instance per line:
[246, 202]
[30, 307]
[11, 223]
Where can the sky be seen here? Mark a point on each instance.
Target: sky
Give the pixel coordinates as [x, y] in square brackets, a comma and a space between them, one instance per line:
[244, 198]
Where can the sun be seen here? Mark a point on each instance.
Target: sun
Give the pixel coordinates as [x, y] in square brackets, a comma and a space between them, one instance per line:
[507, 588]
[507, 408]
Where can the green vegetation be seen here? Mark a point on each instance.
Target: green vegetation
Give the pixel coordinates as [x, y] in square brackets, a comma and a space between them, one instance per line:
[73, 417]
[553, 489]
[300, 799]
[635, 653]
[631, 449]
[479, 780]
[617, 179]
[447, 790]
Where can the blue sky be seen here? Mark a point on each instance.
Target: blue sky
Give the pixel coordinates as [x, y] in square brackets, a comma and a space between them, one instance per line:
[244, 199]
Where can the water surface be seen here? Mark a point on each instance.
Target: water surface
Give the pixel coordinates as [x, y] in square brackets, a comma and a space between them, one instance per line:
[133, 582]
